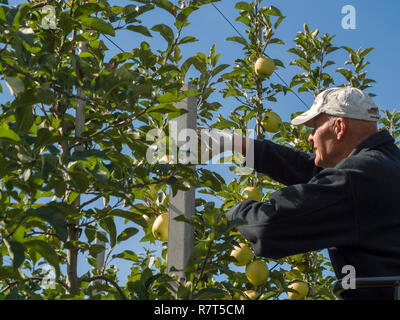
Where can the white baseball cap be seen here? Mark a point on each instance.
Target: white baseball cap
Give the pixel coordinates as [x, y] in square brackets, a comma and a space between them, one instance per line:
[347, 102]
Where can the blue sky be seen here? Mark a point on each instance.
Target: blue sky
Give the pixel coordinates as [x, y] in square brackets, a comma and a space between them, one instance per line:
[377, 25]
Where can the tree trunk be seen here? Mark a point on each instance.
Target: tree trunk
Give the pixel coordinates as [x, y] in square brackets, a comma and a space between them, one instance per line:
[72, 257]
[73, 228]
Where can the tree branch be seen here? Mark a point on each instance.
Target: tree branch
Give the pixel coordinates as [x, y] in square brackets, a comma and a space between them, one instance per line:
[62, 283]
[107, 279]
[89, 202]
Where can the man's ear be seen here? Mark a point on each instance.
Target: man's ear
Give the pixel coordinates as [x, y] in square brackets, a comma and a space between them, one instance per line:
[340, 128]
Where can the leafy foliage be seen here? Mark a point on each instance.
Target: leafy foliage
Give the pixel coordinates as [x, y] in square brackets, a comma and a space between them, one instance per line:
[48, 167]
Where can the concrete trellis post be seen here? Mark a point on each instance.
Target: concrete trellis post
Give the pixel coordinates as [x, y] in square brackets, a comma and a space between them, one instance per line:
[180, 234]
[100, 257]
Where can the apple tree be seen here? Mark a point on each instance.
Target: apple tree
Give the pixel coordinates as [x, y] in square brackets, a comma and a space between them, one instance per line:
[74, 143]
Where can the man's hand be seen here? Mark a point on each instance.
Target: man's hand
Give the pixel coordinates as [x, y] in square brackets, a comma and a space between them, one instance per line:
[214, 141]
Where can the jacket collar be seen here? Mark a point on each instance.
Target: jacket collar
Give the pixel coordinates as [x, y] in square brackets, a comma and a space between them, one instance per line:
[374, 140]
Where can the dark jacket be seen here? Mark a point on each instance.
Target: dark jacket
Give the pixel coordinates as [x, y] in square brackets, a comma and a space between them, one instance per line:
[352, 209]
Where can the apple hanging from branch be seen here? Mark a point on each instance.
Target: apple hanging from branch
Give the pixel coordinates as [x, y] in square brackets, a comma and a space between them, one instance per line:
[160, 227]
[264, 67]
[301, 290]
[271, 122]
[242, 254]
[252, 193]
[257, 272]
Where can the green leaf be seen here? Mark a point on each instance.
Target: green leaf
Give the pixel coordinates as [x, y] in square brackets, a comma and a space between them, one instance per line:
[31, 97]
[168, 97]
[129, 216]
[54, 216]
[278, 22]
[210, 180]
[127, 233]
[8, 134]
[182, 18]
[240, 40]
[302, 64]
[23, 9]
[345, 72]
[211, 293]
[44, 137]
[16, 251]
[92, 261]
[127, 255]
[46, 251]
[165, 31]
[132, 11]
[2, 14]
[98, 25]
[19, 234]
[188, 39]
[278, 63]
[168, 68]
[109, 225]
[8, 272]
[140, 29]
[276, 40]
[101, 236]
[328, 63]
[140, 290]
[87, 154]
[209, 218]
[24, 117]
[183, 218]
[241, 5]
[96, 249]
[90, 233]
[219, 69]
[274, 11]
[80, 179]
[87, 9]
[15, 85]
[166, 5]
[365, 52]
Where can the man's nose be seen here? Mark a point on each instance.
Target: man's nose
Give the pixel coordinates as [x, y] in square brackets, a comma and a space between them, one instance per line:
[310, 138]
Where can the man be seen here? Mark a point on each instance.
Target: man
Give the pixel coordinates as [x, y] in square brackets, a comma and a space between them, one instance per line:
[343, 198]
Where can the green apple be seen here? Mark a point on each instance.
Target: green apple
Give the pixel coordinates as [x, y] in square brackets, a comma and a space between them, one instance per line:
[302, 290]
[257, 272]
[242, 254]
[271, 122]
[252, 193]
[160, 227]
[264, 67]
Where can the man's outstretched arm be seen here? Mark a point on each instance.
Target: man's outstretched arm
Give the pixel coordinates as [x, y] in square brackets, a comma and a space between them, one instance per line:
[283, 164]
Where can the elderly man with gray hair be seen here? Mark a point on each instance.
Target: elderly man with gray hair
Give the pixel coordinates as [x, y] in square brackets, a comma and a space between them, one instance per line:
[343, 197]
